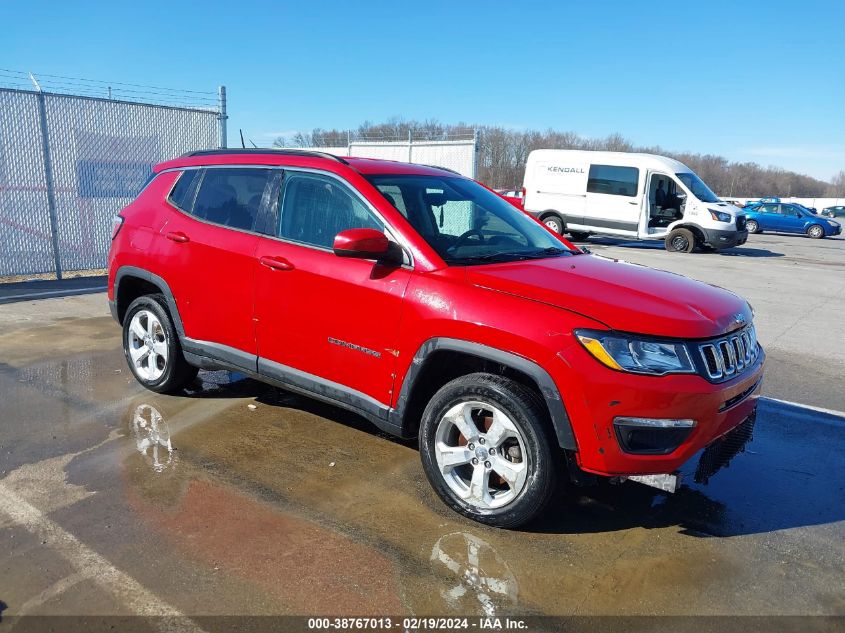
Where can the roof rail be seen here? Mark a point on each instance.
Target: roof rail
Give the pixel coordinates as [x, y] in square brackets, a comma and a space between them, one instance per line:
[265, 150]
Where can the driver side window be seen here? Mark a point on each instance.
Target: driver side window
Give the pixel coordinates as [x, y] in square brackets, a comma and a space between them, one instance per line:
[313, 209]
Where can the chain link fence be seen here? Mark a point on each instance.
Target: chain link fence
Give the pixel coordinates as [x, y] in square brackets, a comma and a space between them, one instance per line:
[69, 163]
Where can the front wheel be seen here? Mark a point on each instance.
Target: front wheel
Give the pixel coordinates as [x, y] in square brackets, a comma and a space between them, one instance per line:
[752, 226]
[152, 348]
[486, 451]
[680, 241]
[816, 232]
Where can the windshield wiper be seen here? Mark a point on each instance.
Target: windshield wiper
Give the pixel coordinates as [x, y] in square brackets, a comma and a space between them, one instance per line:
[505, 256]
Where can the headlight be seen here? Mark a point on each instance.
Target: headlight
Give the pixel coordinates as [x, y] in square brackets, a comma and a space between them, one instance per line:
[832, 223]
[720, 216]
[636, 355]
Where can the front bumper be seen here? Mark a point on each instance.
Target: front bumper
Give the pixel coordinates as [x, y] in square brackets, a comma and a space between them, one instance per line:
[833, 230]
[717, 408]
[724, 239]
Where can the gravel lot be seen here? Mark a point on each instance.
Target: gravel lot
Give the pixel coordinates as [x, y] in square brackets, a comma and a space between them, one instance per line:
[294, 507]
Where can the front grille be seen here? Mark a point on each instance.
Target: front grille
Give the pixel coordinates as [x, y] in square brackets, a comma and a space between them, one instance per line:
[726, 357]
[740, 223]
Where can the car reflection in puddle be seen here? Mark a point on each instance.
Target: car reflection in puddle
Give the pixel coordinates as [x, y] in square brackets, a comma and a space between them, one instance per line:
[483, 577]
[152, 437]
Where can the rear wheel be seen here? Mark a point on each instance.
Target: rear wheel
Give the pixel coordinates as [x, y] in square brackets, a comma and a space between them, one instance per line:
[152, 348]
[680, 241]
[815, 231]
[554, 223]
[752, 226]
[486, 451]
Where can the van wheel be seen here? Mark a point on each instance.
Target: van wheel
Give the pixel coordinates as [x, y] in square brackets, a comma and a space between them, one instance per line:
[816, 232]
[152, 348]
[486, 451]
[579, 236]
[554, 223]
[680, 241]
[752, 226]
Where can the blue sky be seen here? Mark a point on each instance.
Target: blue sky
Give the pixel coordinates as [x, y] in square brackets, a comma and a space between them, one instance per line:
[756, 80]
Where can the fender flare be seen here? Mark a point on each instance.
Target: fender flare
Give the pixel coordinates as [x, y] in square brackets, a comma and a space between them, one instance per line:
[548, 390]
[146, 275]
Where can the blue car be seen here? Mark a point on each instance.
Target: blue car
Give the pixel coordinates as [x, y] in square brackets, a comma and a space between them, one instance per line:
[789, 218]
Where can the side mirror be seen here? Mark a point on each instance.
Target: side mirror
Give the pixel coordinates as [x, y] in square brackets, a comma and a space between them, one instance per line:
[367, 244]
[681, 195]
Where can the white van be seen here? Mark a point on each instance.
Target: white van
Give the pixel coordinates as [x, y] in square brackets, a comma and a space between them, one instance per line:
[640, 196]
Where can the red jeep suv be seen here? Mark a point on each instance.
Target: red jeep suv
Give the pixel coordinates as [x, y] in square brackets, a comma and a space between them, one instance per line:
[426, 303]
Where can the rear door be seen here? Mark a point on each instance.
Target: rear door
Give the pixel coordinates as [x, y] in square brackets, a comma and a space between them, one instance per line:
[209, 252]
[557, 184]
[613, 199]
[768, 217]
[326, 323]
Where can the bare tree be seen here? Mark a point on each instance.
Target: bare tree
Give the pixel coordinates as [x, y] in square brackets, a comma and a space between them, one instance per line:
[503, 152]
[837, 186]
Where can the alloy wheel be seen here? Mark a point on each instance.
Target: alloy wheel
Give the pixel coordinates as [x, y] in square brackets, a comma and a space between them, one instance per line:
[481, 454]
[148, 348]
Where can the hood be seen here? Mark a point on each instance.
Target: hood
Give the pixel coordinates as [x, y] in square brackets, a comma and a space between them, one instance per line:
[625, 297]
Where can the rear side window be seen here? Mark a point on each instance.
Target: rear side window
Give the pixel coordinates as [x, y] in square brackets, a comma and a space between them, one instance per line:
[231, 197]
[315, 208]
[613, 180]
[183, 193]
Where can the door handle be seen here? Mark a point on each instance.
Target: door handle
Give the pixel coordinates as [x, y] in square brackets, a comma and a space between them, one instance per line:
[178, 237]
[632, 202]
[276, 263]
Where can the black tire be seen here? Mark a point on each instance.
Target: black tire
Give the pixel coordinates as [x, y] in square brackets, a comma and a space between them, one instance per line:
[680, 241]
[177, 372]
[752, 226]
[554, 223]
[524, 409]
[579, 236]
[816, 231]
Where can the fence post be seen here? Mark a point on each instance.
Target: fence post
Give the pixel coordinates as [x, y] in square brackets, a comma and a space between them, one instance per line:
[48, 177]
[475, 154]
[221, 115]
[410, 142]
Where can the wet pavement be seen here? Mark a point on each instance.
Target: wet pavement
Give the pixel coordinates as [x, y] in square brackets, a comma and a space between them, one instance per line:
[116, 500]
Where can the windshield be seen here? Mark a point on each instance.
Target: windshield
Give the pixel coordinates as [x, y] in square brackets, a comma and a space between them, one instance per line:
[697, 187]
[466, 223]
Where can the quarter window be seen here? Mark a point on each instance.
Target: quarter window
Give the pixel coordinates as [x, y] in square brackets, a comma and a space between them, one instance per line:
[315, 208]
[231, 196]
[613, 180]
[182, 194]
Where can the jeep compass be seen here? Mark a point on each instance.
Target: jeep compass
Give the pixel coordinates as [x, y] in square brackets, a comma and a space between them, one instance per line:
[429, 305]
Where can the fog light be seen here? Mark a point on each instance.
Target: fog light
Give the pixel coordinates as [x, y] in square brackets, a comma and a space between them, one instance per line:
[651, 436]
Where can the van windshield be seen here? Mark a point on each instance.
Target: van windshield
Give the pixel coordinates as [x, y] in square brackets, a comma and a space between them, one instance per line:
[466, 223]
[697, 187]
